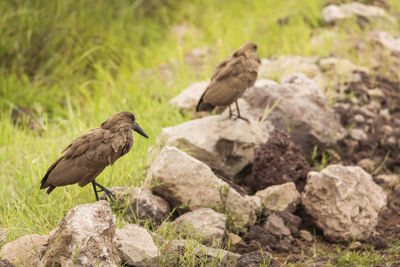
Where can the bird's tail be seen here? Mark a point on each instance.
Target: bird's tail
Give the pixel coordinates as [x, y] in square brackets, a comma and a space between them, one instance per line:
[204, 106]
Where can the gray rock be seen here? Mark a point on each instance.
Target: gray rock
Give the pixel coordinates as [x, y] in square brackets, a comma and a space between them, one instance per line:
[276, 226]
[386, 40]
[306, 236]
[182, 179]
[333, 13]
[389, 179]
[280, 197]
[84, 237]
[205, 223]
[136, 246]
[226, 145]
[141, 203]
[344, 202]
[367, 164]
[24, 250]
[359, 135]
[317, 125]
[188, 98]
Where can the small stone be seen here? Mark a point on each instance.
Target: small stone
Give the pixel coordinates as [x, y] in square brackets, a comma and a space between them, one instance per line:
[389, 179]
[355, 246]
[359, 118]
[276, 226]
[367, 164]
[280, 197]
[306, 236]
[376, 93]
[359, 135]
[385, 113]
[234, 239]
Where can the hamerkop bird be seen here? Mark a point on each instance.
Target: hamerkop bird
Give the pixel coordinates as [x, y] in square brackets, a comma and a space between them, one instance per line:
[87, 156]
[230, 79]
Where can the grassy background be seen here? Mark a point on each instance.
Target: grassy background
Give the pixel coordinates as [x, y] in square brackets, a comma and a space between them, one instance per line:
[74, 63]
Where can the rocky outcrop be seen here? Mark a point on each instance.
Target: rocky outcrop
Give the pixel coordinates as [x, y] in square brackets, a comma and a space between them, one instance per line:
[205, 223]
[344, 202]
[188, 98]
[182, 179]
[24, 250]
[84, 237]
[333, 13]
[136, 246]
[226, 145]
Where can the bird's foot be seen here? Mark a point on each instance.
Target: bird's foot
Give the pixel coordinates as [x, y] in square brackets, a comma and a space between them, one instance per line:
[108, 192]
[242, 118]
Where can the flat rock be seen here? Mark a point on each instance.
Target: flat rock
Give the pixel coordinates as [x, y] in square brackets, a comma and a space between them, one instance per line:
[84, 237]
[280, 197]
[344, 202]
[333, 13]
[226, 145]
[24, 250]
[188, 98]
[297, 94]
[182, 179]
[205, 223]
[136, 246]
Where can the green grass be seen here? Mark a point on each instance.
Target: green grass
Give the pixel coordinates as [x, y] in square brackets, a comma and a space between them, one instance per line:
[75, 63]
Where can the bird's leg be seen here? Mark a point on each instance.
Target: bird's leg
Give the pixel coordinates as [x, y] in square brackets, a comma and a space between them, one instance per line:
[230, 111]
[109, 194]
[238, 113]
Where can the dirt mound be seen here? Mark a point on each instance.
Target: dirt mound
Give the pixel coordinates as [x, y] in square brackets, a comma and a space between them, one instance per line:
[276, 162]
[370, 110]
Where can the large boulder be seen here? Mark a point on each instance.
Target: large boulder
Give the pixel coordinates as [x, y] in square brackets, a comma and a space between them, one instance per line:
[188, 98]
[226, 145]
[297, 94]
[136, 246]
[205, 223]
[333, 13]
[182, 179]
[84, 237]
[280, 197]
[344, 202]
[24, 250]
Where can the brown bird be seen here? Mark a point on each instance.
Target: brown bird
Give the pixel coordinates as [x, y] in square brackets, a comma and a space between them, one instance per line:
[88, 155]
[230, 79]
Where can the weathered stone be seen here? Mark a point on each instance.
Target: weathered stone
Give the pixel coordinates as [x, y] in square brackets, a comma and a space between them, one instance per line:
[355, 246]
[141, 203]
[280, 197]
[182, 179]
[367, 164]
[136, 246]
[276, 226]
[344, 202]
[188, 98]
[298, 94]
[359, 135]
[234, 239]
[389, 179]
[306, 236]
[205, 223]
[24, 250]
[333, 13]
[291, 221]
[84, 237]
[386, 40]
[6, 263]
[226, 145]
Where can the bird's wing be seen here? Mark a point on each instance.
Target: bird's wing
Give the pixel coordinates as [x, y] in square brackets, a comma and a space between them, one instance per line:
[220, 67]
[87, 156]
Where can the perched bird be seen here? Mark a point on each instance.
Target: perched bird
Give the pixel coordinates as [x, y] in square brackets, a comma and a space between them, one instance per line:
[88, 155]
[230, 79]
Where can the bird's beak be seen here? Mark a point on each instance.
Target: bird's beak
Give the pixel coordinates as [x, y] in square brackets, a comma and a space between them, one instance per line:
[139, 130]
[258, 59]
